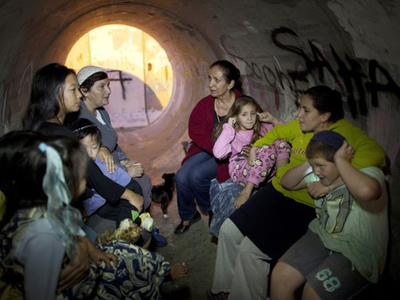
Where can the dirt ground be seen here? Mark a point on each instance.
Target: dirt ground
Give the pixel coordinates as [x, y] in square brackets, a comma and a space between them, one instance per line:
[194, 247]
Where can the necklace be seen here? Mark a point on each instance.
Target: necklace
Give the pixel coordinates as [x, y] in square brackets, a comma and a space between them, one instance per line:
[232, 99]
[216, 112]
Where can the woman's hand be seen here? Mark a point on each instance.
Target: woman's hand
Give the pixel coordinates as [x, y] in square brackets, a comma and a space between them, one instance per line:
[77, 269]
[105, 155]
[97, 256]
[266, 117]
[232, 121]
[134, 169]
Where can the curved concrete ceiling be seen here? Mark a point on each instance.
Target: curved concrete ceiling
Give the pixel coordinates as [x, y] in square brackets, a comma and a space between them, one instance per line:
[189, 55]
[264, 38]
[50, 33]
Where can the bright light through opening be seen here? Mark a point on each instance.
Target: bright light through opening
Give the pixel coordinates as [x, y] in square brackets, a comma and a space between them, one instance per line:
[138, 67]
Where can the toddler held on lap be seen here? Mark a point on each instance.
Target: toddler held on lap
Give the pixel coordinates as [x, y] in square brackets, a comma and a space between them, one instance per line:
[90, 137]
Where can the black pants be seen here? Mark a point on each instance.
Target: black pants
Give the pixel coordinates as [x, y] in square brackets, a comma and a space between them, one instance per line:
[272, 221]
[121, 209]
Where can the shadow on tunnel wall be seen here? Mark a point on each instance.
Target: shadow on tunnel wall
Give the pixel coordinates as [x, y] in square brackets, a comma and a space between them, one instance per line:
[133, 103]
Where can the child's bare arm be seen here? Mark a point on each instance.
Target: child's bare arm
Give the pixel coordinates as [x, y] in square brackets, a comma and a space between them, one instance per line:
[252, 156]
[135, 199]
[282, 162]
[361, 186]
[293, 180]
[244, 195]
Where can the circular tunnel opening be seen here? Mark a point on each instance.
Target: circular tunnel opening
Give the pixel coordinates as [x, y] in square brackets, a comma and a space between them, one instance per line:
[140, 73]
[157, 146]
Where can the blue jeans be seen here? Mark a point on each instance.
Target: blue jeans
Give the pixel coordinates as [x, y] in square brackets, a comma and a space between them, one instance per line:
[223, 196]
[193, 180]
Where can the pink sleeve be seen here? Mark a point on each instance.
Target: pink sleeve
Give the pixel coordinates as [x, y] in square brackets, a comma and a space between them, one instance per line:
[265, 127]
[223, 145]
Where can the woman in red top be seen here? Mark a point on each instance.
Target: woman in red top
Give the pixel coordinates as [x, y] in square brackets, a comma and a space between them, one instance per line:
[199, 166]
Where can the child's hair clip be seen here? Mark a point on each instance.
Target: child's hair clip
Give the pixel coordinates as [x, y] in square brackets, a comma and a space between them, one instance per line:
[42, 147]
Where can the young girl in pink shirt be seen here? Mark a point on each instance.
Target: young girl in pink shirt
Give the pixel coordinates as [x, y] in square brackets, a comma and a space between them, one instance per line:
[243, 125]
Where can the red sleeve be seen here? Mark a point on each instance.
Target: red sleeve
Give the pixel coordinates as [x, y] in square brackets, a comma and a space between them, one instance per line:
[201, 124]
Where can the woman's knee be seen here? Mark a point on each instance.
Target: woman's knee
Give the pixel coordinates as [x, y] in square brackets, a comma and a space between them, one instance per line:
[229, 231]
[223, 230]
[187, 175]
[199, 178]
[145, 180]
[182, 176]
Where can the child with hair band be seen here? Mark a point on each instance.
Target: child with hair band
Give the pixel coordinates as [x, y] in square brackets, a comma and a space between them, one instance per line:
[40, 230]
[242, 126]
[345, 247]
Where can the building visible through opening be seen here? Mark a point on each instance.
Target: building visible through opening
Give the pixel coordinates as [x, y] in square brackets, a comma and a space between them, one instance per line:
[140, 73]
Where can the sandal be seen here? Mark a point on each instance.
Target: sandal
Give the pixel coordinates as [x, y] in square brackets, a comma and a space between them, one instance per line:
[219, 296]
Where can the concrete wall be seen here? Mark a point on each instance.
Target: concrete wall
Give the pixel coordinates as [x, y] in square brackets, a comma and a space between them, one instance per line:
[281, 47]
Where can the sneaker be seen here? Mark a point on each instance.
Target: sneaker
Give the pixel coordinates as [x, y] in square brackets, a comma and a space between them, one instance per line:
[159, 240]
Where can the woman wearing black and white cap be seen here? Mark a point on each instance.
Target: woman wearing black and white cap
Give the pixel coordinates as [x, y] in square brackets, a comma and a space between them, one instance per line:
[95, 88]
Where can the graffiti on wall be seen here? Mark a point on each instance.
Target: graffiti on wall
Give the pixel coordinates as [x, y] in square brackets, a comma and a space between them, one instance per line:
[349, 76]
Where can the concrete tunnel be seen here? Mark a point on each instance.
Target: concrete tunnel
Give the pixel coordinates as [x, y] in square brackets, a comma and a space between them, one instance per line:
[280, 47]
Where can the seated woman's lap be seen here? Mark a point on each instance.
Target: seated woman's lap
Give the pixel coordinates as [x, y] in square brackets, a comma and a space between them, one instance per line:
[272, 221]
[193, 179]
[197, 168]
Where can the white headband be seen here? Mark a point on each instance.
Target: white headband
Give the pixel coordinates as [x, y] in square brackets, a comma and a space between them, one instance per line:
[65, 219]
[88, 71]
